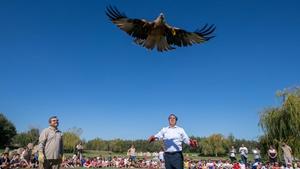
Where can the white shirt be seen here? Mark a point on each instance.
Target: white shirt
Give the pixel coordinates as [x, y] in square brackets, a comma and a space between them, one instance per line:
[131, 151]
[232, 153]
[173, 138]
[256, 154]
[243, 151]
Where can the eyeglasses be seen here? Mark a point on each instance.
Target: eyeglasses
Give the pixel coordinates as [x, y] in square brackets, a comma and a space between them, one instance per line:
[55, 120]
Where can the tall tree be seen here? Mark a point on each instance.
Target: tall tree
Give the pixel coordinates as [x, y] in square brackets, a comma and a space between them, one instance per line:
[282, 124]
[71, 138]
[218, 144]
[7, 131]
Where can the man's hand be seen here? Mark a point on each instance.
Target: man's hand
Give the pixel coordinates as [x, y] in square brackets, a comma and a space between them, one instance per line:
[41, 157]
[193, 143]
[151, 139]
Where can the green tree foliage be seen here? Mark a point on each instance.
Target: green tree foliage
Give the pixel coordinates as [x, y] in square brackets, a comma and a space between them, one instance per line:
[219, 144]
[121, 146]
[97, 144]
[22, 139]
[206, 148]
[71, 138]
[231, 139]
[282, 123]
[7, 131]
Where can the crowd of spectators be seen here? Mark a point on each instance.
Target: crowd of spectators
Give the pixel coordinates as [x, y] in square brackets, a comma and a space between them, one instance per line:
[28, 158]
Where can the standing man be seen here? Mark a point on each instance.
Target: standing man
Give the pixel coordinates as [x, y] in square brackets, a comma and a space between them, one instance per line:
[256, 153]
[131, 152]
[79, 150]
[51, 146]
[244, 154]
[173, 136]
[232, 153]
[287, 153]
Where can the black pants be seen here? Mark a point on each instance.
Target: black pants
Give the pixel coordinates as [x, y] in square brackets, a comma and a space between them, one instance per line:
[50, 164]
[173, 160]
[232, 159]
[272, 160]
[244, 159]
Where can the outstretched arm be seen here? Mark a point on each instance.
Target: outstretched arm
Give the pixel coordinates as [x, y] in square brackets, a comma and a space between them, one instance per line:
[159, 135]
[193, 143]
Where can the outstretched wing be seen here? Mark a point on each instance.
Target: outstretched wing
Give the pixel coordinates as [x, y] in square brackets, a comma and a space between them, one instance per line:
[138, 28]
[180, 37]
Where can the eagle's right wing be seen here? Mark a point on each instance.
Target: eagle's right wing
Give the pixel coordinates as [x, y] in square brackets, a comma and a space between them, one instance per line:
[136, 28]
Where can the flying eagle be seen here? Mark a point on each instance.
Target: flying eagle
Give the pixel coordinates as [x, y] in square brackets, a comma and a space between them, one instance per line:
[158, 33]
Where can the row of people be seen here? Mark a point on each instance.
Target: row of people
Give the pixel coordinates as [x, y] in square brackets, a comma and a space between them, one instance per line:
[272, 154]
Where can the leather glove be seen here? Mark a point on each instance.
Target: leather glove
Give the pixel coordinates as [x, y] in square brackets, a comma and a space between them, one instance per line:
[193, 143]
[151, 139]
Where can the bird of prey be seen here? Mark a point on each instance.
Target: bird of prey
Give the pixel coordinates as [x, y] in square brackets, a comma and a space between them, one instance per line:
[158, 34]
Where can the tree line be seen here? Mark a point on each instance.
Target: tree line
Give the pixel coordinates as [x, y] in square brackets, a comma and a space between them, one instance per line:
[214, 145]
[279, 124]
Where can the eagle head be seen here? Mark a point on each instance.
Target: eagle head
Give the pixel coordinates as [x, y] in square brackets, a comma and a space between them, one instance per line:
[160, 19]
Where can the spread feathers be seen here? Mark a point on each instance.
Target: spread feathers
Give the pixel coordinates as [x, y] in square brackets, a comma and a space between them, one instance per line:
[158, 33]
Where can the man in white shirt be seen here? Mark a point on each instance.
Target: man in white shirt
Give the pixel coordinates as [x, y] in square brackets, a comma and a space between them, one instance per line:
[79, 150]
[131, 153]
[256, 153]
[173, 136]
[244, 154]
[232, 154]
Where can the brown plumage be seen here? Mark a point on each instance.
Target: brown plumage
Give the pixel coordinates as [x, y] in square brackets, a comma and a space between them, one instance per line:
[158, 33]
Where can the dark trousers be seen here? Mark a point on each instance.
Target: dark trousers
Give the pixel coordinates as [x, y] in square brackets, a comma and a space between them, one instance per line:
[232, 159]
[244, 159]
[272, 160]
[50, 164]
[173, 160]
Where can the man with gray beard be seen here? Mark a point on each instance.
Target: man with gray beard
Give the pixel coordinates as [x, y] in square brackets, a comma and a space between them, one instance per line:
[51, 146]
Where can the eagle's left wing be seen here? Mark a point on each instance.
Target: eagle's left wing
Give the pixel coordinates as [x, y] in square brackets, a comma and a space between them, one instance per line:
[180, 37]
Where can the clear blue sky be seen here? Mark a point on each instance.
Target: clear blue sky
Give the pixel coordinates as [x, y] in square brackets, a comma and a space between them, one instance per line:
[65, 58]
